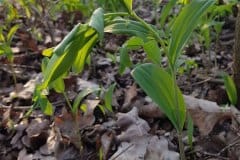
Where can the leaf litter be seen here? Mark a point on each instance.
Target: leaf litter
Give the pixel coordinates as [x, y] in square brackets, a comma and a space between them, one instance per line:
[136, 130]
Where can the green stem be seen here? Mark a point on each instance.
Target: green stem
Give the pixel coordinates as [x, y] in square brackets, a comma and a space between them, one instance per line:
[149, 27]
[179, 129]
[14, 76]
[67, 100]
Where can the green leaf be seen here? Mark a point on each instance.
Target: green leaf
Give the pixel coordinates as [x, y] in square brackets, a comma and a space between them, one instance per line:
[90, 39]
[12, 32]
[128, 27]
[58, 85]
[108, 97]
[128, 4]
[190, 130]
[184, 25]
[48, 52]
[153, 51]
[134, 43]
[97, 22]
[81, 95]
[60, 63]
[165, 12]
[59, 49]
[45, 105]
[230, 88]
[125, 60]
[159, 86]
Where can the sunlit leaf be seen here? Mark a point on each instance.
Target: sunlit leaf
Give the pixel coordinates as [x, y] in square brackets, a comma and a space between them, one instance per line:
[81, 95]
[60, 63]
[128, 4]
[159, 86]
[48, 52]
[45, 105]
[97, 22]
[12, 31]
[90, 39]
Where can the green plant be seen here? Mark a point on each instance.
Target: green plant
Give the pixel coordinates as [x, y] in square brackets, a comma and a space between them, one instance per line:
[230, 88]
[5, 47]
[158, 83]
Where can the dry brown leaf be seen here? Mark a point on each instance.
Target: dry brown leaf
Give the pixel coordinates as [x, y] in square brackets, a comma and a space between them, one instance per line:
[145, 148]
[132, 125]
[206, 114]
[37, 126]
[52, 143]
[106, 141]
[130, 94]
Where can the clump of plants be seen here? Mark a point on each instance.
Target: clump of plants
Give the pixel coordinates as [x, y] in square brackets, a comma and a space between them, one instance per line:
[159, 83]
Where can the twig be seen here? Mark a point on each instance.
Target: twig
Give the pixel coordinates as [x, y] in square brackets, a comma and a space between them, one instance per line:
[122, 152]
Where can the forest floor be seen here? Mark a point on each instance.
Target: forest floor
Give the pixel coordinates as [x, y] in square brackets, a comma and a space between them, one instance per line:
[136, 129]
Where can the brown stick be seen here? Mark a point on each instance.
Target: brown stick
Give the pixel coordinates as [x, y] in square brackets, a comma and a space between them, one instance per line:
[236, 57]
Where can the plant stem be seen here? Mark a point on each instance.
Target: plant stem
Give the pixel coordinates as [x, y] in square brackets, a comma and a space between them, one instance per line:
[155, 34]
[181, 146]
[67, 100]
[14, 76]
[179, 130]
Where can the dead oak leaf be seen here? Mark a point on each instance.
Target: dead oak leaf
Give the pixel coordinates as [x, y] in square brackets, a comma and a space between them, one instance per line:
[206, 114]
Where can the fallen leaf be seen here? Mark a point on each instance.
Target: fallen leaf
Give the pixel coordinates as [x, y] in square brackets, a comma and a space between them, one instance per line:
[130, 94]
[132, 125]
[206, 114]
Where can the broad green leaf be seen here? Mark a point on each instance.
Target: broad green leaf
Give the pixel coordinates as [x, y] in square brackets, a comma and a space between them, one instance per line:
[97, 22]
[58, 85]
[128, 27]
[184, 25]
[153, 51]
[230, 88]
[159, 86]
[90, 39]
[59, 49]
[12, 32]
[45, 105]
[125, 60]
[108, 97]
[81, 95]
[134, 43]
[128, 4]
[60, 63]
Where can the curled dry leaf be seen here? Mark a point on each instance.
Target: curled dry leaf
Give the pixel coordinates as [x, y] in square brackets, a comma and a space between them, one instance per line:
[145, 148]
[37, 126]
[132, 125]
[130, 94]
[106, 141]
[206, 114]
[140, 145]
[23, 155]
[52, 143]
